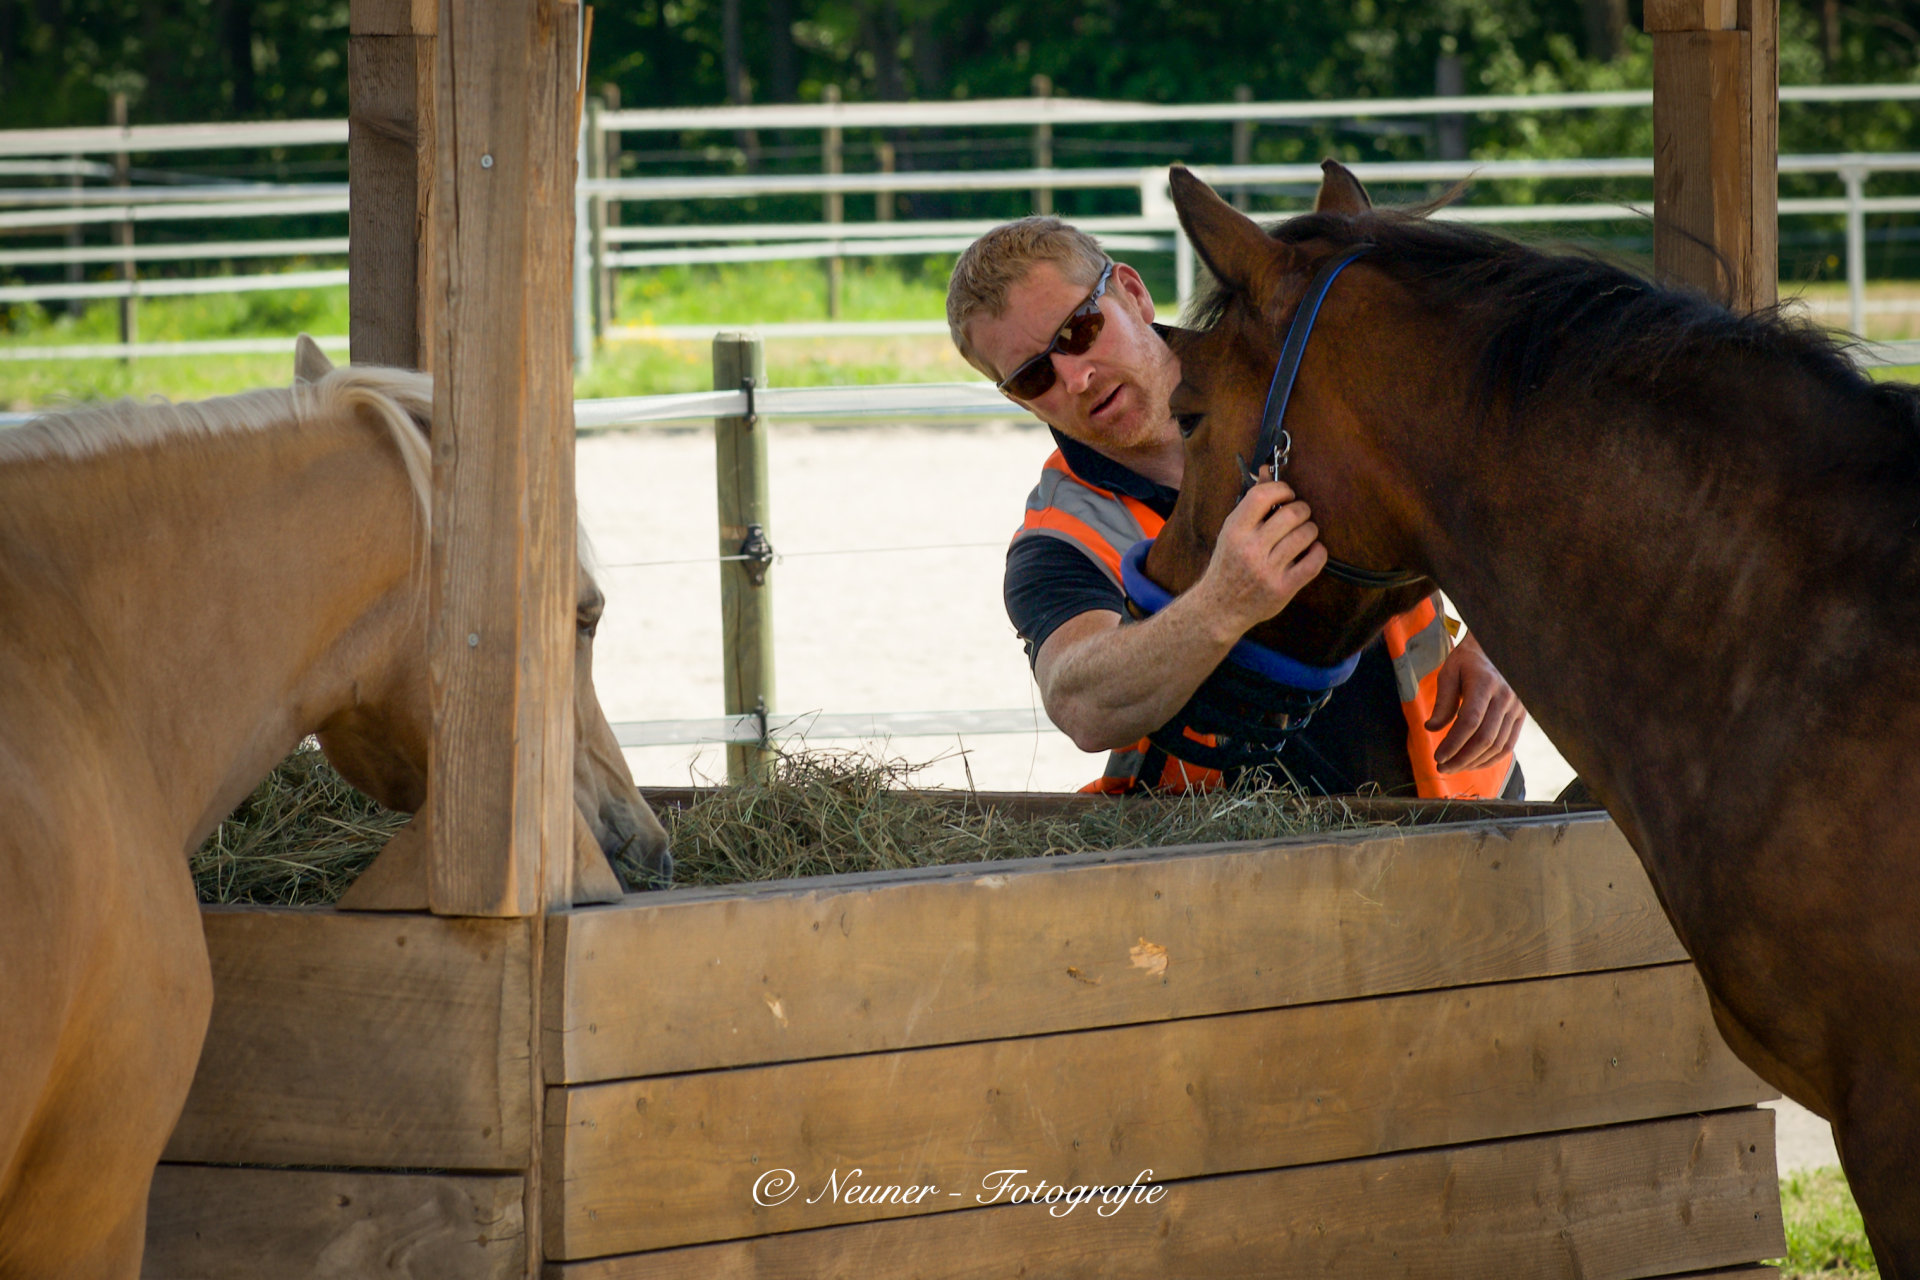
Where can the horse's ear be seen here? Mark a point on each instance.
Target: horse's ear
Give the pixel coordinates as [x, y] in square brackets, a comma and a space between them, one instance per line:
[1340, 191]
[1233, 246]
[310, 364]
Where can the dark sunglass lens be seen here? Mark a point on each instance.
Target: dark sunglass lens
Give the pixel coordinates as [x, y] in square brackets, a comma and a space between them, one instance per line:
[1080, 330]
[1033, 380]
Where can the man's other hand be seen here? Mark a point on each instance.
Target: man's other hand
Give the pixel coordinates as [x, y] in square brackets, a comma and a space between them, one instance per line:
[1485, 711]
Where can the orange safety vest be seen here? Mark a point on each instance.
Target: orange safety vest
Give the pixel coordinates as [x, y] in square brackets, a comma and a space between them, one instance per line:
[1103, 524]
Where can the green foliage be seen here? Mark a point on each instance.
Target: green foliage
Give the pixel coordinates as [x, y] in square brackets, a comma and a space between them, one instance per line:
[1825, 1237]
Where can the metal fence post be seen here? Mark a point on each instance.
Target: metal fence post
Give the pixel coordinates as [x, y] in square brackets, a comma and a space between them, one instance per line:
[1043, 146]
[835, 202]
[1856, 180]
[746, 591]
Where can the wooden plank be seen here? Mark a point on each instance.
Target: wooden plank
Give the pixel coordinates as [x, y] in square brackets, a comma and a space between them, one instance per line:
[1606, 1204]
[1692, 15]
[687, 979]
[398, 1041]
[746, 590]
[500, 801]
[207, 1223]
[648, 1164]
[390, 171]
[1761, 20]
[1716, 146]
[393, 17]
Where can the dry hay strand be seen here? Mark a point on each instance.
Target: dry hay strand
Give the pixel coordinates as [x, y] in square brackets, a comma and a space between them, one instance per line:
[304, 834]
[300, 839]
[834, 812]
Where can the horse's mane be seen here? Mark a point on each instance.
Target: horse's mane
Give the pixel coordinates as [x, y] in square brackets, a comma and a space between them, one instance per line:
[1572, 318]
[400, 400]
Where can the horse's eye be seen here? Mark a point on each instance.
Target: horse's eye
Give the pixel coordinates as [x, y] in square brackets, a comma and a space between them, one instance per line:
[587, 618]
[1188, 423]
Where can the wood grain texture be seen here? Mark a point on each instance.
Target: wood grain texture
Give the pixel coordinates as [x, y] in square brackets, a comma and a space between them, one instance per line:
[1640, 1200]
[501, 647]
[1691, 15]
[746, 610]
[208, 1223]
[371, 1040]
[1761, 20]
[647, 1164]
[390, 173]
[393, 17]
[685, 980]
[1701, 176]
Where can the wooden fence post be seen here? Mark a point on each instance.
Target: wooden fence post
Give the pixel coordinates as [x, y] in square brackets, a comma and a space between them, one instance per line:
[1716, 146]
[1043, 145]
[835, 203]
[1242, 143]
[390, 170]
[746, 589]
[123, 235]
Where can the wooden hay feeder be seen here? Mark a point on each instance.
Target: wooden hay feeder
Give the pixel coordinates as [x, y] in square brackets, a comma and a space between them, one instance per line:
[1465, 1050]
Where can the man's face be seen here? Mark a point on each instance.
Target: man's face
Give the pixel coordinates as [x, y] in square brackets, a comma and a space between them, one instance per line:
[1113, 395]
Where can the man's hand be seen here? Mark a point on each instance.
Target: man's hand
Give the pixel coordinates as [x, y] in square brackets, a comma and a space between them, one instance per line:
[1267, 550]
[1485, 711]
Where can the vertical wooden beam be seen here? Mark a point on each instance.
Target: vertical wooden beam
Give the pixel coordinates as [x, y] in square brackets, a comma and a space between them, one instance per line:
[834, 204]
[1716, 146]
[500, 795]
[746, 592]
[1042, 87]
[390, 172]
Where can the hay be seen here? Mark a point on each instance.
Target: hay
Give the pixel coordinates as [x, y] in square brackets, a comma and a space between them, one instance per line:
[832, 812]
[304, 834]
[298, 840]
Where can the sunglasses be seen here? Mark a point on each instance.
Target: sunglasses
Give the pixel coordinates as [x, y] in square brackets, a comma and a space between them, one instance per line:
[1036, 377]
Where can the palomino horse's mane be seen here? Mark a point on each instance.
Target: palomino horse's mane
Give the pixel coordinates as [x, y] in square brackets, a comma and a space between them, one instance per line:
[1574, 320]
[399, 400]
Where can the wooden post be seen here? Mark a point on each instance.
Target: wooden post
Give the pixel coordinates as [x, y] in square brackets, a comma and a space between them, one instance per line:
[746, 590]
[1716, 146]
[123, 235]
[597, 219]
[1242, 143]
[390, 171]
[609, 210]
[1043, 146]
[883, 200]
[835, 202]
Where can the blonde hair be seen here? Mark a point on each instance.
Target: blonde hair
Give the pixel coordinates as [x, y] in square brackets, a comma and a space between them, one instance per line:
[1001, 259]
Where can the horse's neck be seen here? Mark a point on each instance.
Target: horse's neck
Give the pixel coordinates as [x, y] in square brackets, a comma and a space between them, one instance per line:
[212, 599]
[1646, 588]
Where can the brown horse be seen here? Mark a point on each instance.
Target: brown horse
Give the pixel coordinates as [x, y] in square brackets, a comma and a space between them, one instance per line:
[185, 592]
[1691, 541]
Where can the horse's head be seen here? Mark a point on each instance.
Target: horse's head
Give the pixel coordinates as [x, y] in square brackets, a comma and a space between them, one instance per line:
[379, 742]
[1227, 368]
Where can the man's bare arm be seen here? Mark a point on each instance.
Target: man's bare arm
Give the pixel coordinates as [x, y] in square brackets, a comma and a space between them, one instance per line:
[1107, 685]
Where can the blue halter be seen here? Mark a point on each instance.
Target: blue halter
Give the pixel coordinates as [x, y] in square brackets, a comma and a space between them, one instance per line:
[1255, 657]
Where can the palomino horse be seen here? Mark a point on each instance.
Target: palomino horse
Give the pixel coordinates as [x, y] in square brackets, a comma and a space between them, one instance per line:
[187, 591]
[1691, 541]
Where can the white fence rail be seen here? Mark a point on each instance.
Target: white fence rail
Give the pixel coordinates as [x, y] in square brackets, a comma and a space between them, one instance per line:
[608, 249]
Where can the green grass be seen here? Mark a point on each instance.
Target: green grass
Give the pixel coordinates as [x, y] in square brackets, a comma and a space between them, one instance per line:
[1825, 1240]
[743, 294]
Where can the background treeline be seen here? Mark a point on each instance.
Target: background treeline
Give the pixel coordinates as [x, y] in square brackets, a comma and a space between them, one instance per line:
[60, 60]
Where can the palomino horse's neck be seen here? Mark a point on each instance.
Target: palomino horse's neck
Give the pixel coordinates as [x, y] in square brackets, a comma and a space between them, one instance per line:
[213, 598]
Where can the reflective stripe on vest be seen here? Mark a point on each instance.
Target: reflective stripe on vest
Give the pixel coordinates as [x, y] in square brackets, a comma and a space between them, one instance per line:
[1418, 643]
[1103, 524]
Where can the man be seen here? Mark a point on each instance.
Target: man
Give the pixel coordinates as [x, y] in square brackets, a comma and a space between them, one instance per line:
[1067, 334]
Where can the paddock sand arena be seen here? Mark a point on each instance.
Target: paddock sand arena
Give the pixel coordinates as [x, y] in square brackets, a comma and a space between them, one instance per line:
[912, 622]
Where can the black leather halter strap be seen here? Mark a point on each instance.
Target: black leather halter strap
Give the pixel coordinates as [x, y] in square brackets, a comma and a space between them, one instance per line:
[1275, 446]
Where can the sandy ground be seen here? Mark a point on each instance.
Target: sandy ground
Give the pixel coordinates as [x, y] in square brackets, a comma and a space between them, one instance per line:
[886, 598]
